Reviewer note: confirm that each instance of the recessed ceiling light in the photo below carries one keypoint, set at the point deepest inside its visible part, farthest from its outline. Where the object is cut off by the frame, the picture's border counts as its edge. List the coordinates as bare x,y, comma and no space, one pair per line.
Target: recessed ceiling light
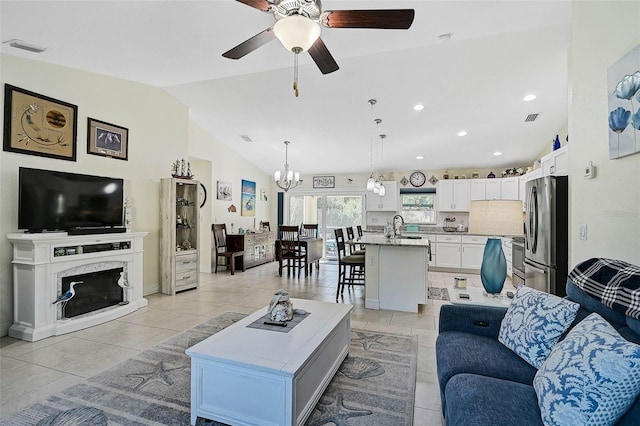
420,157
462,133
529,97
497,153
418,107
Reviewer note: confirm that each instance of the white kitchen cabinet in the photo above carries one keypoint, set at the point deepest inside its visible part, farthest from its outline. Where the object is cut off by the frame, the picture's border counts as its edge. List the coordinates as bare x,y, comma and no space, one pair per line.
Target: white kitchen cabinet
448,251
472,251
477,190
509,188
556,163
453,195
493,189
388,203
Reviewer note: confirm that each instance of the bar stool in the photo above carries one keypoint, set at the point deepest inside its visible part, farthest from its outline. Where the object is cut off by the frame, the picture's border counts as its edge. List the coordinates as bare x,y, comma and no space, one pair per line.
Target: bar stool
350,268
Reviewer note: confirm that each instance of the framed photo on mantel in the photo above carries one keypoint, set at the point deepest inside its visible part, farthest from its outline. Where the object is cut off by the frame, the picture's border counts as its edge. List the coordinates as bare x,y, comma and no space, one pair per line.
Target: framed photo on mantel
35,124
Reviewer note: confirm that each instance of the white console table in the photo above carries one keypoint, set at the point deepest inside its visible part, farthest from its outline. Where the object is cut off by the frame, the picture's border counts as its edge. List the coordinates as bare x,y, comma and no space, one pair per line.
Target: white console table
40,261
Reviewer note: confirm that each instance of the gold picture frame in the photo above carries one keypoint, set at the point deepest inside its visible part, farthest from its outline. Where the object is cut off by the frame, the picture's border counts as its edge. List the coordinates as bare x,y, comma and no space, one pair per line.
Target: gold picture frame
35,124
107,140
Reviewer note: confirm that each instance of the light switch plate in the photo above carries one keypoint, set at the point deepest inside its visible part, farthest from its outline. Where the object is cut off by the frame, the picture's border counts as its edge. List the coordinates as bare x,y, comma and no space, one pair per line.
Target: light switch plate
582,231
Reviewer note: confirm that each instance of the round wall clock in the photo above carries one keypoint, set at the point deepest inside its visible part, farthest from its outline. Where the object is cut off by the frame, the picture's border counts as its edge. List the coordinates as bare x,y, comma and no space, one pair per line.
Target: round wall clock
417,179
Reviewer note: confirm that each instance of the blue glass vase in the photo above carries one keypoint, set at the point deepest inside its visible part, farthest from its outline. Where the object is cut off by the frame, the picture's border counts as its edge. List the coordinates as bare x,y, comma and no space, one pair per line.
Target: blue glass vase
494,266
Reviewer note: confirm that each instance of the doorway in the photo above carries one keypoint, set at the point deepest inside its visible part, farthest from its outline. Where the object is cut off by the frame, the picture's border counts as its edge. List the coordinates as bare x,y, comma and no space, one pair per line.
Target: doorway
330,212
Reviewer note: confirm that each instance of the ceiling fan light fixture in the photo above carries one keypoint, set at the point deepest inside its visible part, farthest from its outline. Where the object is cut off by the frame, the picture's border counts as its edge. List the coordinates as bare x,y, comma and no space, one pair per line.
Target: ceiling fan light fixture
297,32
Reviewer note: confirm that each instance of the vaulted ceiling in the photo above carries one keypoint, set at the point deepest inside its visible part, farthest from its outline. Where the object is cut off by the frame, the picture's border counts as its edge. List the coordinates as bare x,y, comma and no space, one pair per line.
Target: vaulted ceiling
498,52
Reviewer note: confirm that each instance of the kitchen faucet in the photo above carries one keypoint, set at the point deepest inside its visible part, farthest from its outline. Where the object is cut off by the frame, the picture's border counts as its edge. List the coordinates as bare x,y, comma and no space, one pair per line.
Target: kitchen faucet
396,229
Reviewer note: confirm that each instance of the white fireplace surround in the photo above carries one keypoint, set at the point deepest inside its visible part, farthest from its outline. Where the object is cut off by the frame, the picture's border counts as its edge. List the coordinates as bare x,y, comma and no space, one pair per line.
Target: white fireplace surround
40,261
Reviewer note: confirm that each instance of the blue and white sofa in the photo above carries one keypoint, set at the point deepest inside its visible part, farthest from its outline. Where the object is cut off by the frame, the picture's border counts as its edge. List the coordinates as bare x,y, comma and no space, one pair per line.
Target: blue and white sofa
546,360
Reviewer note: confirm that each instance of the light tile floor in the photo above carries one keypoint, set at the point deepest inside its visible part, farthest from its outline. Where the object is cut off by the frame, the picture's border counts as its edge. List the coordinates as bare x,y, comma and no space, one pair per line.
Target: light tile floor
31,371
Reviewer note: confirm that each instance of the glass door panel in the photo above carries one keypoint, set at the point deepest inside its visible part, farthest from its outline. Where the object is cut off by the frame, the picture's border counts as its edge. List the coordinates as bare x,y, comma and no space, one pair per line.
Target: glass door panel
340,211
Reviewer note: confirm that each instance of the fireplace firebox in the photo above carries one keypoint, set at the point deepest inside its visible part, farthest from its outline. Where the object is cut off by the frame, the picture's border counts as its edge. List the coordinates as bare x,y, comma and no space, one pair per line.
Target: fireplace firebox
96,290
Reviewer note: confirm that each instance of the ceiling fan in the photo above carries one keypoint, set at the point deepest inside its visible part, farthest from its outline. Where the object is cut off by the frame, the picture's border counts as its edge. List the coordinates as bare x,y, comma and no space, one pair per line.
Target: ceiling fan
298,27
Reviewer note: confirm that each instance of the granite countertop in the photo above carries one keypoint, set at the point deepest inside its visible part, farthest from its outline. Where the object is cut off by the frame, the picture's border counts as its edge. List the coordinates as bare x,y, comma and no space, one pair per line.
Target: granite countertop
381,240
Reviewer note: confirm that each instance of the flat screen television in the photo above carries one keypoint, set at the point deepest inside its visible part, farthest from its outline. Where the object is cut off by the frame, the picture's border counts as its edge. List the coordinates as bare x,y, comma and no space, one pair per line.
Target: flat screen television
60,201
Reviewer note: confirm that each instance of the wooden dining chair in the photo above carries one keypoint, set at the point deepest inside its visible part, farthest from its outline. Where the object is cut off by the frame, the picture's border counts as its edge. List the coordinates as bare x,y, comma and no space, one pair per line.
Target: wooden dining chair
350,267
354,248
290,250
309,230
221,250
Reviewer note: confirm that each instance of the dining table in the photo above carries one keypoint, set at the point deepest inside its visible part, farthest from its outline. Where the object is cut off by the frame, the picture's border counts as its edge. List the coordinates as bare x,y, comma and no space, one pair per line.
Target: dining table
312,249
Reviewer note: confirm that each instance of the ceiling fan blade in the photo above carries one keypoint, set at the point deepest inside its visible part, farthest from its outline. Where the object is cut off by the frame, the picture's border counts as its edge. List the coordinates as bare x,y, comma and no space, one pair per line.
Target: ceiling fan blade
322,57
393,19
262,5
251,44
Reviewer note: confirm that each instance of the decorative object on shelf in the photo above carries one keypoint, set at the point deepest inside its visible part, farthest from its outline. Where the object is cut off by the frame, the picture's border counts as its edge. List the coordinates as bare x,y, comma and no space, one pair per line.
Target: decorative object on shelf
448,224
203,194
289,179
556,143
128,213
456,177
491,175
404,181
460,282
181,169
513,172
475,174
417,179
463,176
433,180
623,79
224,191
231,209
107,140
324,181
39,125
495,218
280,308
248,198
445,175
186,245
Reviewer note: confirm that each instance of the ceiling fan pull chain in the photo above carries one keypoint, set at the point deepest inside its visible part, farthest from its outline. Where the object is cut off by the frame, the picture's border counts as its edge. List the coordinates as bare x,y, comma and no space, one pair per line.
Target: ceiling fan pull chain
295,73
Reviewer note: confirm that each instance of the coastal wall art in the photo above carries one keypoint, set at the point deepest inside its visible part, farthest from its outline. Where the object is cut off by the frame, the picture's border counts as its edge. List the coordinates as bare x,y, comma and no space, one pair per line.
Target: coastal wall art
248,207
623,82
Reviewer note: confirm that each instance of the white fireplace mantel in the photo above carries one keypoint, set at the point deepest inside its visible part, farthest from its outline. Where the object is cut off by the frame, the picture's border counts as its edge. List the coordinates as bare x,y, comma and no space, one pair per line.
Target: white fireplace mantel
39,262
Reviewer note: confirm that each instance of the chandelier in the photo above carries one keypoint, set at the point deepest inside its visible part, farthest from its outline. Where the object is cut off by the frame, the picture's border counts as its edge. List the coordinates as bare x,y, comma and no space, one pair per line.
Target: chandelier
289,179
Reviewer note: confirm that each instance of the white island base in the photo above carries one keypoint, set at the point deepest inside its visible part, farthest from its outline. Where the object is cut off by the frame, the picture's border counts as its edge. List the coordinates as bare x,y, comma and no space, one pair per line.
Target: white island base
396,273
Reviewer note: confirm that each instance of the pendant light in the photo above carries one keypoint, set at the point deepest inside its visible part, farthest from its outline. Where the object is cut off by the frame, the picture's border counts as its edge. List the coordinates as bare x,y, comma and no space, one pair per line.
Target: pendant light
289,179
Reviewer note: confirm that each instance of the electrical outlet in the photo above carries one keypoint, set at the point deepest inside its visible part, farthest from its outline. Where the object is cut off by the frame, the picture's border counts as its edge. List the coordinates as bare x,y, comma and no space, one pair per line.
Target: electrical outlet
582,231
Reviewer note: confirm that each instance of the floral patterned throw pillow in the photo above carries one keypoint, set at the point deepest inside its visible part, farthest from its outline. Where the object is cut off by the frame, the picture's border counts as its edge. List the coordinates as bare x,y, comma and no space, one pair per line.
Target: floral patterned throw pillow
534,322
590,378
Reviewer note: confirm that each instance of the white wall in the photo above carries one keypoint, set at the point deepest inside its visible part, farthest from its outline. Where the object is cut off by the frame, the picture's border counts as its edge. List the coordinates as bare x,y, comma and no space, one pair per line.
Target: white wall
157,126
227,166
603,32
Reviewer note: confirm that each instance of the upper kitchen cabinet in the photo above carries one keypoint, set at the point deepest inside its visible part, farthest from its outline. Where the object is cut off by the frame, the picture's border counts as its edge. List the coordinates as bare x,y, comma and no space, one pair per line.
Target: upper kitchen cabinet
556,163
453,195
387,203
509,188
477,190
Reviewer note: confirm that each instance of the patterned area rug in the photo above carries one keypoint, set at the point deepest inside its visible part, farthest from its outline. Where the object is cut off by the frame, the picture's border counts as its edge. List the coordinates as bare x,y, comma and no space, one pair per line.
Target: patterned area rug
375,385
438,293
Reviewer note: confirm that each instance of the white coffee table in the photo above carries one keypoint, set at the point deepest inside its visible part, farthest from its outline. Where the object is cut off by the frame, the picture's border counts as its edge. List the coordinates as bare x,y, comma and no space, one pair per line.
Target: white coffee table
478,297
248,376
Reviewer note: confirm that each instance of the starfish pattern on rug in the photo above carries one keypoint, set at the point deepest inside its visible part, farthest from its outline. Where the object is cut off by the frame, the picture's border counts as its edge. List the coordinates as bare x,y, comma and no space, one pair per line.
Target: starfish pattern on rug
159,374
367,340
337,413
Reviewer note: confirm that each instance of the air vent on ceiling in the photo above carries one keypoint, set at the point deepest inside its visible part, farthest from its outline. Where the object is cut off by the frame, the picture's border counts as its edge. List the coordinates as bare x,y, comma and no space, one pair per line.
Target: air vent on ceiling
531,117
245,138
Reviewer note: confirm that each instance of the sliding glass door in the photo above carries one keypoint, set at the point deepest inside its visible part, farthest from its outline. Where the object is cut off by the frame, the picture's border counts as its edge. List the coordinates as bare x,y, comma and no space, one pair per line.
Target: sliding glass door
329,211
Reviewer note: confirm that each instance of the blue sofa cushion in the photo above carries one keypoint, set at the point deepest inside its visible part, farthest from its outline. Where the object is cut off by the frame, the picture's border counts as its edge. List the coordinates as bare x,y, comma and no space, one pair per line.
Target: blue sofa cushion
534,322
591,377
487,401
459,352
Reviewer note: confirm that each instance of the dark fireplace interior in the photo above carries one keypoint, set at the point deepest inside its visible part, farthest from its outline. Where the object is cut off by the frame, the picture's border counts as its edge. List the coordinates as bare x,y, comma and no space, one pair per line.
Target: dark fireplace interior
98,290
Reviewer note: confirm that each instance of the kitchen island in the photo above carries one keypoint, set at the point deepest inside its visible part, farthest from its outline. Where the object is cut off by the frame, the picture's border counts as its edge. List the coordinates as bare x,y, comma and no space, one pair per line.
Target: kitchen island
396,272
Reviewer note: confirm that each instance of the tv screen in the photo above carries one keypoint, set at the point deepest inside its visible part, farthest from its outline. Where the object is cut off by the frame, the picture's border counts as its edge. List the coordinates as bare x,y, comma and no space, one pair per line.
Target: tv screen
51,200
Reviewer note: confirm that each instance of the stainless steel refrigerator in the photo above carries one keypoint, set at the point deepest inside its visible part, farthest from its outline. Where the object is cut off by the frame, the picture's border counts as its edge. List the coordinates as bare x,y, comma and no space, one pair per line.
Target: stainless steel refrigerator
546,234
